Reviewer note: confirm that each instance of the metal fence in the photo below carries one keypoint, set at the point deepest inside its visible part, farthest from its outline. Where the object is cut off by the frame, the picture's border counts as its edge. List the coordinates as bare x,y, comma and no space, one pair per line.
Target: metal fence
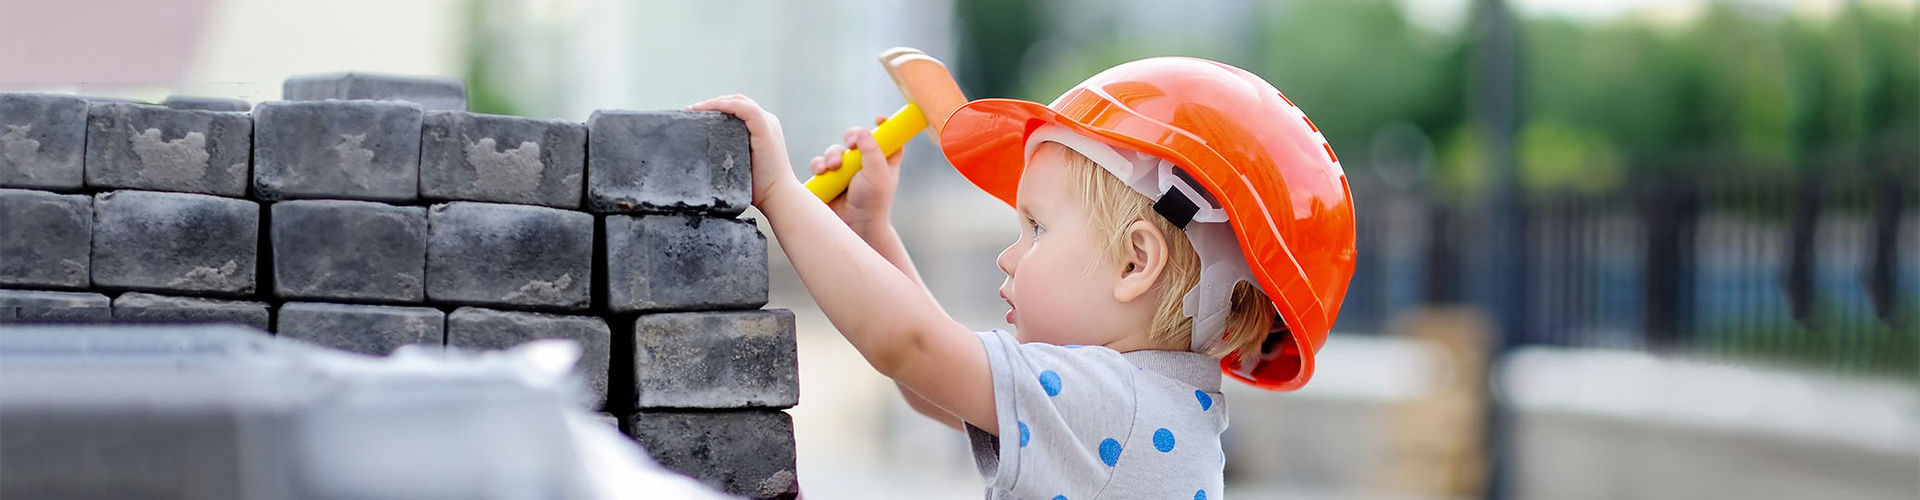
1749,266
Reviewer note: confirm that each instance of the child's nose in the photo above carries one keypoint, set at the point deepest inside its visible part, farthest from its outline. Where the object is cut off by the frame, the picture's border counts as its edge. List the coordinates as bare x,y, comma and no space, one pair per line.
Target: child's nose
1005,260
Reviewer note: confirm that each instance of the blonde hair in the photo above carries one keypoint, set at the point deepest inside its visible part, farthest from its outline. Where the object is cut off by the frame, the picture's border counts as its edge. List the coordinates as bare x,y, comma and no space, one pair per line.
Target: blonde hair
1111,207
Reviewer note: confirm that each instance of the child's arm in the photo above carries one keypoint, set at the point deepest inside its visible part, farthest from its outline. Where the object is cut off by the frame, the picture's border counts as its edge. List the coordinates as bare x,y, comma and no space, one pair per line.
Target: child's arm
888,317
867,207
887,242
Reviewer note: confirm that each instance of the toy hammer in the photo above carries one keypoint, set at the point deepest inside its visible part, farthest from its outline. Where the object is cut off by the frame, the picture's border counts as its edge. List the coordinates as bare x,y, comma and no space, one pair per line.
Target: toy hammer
931,95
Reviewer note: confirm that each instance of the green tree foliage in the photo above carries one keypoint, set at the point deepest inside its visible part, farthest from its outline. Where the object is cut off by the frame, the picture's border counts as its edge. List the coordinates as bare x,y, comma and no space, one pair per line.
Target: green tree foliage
1734,85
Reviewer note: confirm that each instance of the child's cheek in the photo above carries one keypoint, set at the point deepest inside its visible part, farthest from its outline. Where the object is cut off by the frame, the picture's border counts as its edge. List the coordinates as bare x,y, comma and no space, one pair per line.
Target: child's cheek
1047,310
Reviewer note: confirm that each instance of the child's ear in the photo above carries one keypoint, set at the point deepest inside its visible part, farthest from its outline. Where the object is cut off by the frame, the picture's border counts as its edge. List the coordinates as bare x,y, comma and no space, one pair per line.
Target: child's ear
1145,259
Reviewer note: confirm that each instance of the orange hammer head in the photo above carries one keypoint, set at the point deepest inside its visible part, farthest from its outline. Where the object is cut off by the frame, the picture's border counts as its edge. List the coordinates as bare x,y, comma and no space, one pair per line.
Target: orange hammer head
925,82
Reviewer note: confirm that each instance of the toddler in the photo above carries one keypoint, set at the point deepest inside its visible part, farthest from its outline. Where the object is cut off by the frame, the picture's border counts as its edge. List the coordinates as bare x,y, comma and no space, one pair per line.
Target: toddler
1180,219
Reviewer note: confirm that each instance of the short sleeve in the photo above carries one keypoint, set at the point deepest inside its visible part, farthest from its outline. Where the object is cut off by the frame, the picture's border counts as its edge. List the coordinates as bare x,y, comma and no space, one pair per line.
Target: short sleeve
1063,412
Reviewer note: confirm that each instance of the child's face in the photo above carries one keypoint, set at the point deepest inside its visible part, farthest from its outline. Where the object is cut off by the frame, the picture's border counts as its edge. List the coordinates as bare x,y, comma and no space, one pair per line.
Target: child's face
1058,285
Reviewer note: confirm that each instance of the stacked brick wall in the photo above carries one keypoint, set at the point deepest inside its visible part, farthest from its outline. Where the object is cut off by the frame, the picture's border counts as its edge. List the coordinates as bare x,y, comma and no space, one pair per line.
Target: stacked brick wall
368,212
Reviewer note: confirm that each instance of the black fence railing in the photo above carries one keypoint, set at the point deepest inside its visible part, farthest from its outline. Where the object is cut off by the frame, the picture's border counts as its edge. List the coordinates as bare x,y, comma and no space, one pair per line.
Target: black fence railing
1823,274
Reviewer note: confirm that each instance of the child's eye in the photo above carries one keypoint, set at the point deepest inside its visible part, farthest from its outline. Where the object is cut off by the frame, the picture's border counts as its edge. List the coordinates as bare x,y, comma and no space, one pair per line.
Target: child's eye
1037,229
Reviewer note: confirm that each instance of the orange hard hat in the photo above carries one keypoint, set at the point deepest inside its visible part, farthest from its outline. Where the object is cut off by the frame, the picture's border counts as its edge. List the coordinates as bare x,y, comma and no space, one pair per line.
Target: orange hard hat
1243,142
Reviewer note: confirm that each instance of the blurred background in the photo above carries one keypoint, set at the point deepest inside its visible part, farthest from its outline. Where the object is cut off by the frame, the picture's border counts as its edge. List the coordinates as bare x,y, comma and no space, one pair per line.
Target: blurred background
1626,249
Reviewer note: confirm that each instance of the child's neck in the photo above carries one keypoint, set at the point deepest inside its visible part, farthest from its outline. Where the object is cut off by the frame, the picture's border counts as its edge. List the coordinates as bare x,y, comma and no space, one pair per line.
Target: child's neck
1142,343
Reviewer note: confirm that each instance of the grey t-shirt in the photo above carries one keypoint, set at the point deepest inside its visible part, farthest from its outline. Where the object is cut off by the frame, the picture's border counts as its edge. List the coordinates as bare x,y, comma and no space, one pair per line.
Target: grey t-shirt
1081,423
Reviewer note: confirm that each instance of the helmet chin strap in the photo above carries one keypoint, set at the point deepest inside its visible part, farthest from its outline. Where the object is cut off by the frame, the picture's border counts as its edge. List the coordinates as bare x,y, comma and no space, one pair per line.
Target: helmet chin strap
1222,265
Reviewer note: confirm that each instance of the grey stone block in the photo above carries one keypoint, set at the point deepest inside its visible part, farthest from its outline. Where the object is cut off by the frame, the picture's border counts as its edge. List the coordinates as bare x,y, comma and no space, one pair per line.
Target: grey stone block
684,262
43,139
206,103
101,99
428,92
467,156
349,250
740,359
45,238
509,255
664,161
35,306
136,307
356,150
174,242
478,328
747,453
137,146
371,330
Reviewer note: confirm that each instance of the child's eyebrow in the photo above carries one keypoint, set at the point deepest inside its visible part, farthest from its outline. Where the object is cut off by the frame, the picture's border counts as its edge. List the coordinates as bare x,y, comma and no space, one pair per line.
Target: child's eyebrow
1025,211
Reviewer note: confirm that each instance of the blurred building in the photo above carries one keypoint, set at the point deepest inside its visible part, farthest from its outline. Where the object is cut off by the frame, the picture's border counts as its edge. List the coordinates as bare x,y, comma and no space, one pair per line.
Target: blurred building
218,48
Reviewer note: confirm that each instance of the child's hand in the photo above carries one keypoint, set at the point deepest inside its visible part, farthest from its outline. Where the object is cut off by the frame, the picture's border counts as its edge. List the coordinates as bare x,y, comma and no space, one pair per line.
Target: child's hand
868,202
771,170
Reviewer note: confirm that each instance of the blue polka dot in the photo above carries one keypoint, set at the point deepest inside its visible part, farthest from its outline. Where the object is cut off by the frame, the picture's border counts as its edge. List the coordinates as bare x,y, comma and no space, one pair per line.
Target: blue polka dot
1059,497
1051,382
1200,495
1163,440
1110,452
1023,434
1206,402
1074,346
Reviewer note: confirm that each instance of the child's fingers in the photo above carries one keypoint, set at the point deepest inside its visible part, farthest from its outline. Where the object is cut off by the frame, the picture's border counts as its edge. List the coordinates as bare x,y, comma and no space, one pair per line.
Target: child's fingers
866,143
763,129
857,131
831,158
734,97
702,104
849,136
877,120
723,103
746,109
816,166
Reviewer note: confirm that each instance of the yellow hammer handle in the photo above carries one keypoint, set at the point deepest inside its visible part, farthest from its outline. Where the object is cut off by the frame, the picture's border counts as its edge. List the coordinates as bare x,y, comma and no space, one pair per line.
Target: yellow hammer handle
891,134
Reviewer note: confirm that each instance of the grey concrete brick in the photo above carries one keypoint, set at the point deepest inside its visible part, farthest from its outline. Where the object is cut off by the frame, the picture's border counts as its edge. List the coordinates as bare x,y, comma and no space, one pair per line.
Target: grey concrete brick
348,250
356,150
747,453
736,359
138,146
136,307
43,139
101,99
428,92
174,242
478,328
45,238
668,161
509,255
468,156
206,103
684,262
371,330
36,306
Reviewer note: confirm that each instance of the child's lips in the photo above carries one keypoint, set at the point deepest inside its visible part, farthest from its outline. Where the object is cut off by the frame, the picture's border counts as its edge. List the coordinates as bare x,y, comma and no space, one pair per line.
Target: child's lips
1010,307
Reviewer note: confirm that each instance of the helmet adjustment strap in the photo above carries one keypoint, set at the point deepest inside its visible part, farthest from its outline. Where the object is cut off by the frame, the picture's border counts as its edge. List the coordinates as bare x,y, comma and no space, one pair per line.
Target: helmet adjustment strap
1176,207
